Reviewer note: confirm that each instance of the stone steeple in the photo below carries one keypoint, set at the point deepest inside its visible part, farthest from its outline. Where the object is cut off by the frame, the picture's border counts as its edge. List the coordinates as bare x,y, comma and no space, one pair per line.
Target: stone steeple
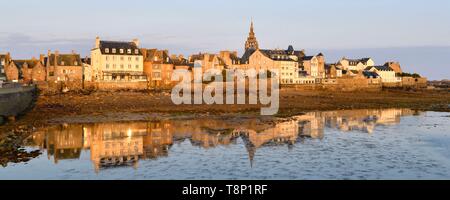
251,42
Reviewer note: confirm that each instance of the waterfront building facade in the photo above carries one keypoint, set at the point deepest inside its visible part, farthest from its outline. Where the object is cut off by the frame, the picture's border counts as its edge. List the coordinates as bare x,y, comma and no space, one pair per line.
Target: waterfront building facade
5,60
356,64
208,61
158,67
386,74
64,67
116,61
394,66
31,71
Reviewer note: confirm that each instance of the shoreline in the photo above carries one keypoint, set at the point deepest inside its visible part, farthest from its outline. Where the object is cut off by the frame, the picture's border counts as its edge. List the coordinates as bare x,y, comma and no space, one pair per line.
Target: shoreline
142,106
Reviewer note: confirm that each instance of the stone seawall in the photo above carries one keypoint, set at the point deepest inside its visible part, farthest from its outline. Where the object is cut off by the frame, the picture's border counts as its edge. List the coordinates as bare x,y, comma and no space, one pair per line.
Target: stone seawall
15,101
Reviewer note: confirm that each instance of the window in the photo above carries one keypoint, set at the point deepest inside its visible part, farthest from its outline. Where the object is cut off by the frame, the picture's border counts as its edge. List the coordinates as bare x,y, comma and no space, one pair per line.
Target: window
121,50
137,66
107,50
114,66
155,58
156,75
107,58
129,58
121,66
62,63
129,51
107,66
75,63
129,66
136,51
113,50
137,58
121,58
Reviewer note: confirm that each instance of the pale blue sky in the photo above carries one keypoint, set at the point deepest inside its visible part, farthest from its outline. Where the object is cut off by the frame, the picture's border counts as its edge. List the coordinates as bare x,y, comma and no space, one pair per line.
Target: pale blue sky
189,26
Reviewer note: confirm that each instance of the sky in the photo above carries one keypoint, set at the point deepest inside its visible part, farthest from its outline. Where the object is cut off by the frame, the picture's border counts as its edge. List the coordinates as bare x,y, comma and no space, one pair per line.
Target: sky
414,32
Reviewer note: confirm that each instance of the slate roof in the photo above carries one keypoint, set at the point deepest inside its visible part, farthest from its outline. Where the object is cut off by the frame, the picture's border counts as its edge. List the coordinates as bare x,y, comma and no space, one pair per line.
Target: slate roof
307,57
362,60
31,63
380,68
162,55
370,74
201,56
119,45
64,60
86,60
280,55
245,58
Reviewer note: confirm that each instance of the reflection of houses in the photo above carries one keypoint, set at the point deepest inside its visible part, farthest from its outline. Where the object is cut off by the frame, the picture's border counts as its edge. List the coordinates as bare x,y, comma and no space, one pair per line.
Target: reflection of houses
123,144
311,125
116,144
158,140
64,142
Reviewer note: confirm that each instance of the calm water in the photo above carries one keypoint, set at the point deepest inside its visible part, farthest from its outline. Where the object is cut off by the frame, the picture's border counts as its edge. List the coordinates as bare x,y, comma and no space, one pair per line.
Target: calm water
358,144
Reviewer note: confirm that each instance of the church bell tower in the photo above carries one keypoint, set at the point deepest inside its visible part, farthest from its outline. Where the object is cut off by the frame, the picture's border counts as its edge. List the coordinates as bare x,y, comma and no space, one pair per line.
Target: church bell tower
251,42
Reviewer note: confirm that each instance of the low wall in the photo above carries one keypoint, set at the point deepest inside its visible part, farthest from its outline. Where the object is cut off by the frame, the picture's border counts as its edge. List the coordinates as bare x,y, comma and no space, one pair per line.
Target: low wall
340,84
15,101
143,85
408,82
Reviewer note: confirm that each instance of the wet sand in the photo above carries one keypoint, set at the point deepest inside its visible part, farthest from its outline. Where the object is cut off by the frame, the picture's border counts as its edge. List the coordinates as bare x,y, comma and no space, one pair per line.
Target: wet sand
136,106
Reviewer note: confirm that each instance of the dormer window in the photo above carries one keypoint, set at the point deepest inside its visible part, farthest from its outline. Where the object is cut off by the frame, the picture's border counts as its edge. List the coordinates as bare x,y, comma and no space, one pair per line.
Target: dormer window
107,50
62,63
114,50
136,51
155,58
121,50
75,63
129,51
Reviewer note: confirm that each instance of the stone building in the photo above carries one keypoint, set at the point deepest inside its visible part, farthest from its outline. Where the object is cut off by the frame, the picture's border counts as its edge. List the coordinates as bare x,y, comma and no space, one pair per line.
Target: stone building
394,66
64,67
208,61
5,60
231,59
280,61
158,67
332,71
116,61
31,71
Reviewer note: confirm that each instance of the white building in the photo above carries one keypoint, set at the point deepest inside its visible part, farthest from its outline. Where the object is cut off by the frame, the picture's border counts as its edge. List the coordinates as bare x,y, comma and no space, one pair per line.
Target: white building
386,73
117,61
356,64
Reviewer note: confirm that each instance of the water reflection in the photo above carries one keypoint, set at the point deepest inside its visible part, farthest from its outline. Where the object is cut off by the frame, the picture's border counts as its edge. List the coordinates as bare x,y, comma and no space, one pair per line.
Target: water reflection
124,144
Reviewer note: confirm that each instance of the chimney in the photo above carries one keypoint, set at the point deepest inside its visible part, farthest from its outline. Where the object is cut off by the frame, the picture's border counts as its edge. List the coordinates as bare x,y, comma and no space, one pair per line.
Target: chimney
144,53
97,42
41,58
136,42
56,58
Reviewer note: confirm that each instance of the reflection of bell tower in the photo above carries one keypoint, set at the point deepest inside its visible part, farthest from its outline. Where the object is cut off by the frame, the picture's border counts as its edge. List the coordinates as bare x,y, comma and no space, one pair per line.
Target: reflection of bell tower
251,42
251,149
